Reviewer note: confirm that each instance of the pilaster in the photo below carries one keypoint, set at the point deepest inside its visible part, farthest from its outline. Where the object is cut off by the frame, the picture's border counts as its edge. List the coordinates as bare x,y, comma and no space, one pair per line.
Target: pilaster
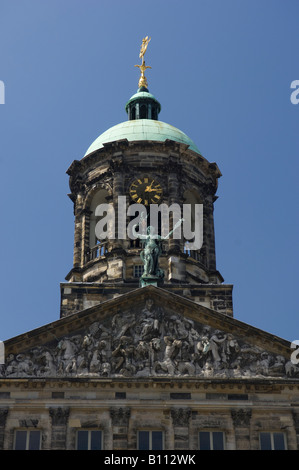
241,419
120,422
180,419
59,418
3,416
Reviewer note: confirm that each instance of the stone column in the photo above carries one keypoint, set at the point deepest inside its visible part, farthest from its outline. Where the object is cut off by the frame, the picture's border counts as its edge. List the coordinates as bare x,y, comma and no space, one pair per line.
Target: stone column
120,422
180,420
59,418
241,419
137,111
3,416
209,234
116,253
86,213
77,259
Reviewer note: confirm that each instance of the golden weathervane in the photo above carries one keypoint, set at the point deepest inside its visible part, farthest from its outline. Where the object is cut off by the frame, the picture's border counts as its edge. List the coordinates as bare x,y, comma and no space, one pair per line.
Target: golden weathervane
142,80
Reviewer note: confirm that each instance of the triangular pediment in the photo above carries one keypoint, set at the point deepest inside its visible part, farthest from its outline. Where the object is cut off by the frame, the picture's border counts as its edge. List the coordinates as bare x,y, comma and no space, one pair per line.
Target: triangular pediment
148,332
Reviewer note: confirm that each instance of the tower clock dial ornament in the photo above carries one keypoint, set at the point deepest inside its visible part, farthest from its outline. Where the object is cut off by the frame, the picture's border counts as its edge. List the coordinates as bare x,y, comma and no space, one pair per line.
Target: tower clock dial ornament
146,190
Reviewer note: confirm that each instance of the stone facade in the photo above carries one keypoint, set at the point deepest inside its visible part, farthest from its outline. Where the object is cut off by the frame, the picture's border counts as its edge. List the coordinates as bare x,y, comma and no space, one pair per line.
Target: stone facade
149,360
180,408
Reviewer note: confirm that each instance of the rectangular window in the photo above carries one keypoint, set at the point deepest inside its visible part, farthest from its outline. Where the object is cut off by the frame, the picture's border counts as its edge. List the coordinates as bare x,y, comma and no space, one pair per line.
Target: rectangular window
27,440
180,396
211,440
138,270
272,441
89,440
150,440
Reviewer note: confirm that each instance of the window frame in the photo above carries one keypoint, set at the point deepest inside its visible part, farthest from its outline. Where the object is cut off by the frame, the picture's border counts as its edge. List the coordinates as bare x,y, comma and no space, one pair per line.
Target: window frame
27,443
271,433
150,431
138,270
211,431
89,433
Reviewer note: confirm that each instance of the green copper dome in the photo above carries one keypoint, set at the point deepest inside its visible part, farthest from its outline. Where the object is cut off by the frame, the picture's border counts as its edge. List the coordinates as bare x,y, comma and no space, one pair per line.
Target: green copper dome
143,110
142,129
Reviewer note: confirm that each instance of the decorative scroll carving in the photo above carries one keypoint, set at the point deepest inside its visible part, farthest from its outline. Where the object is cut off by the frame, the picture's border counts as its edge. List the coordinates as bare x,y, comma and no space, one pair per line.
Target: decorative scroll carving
180,416
59,416
148,342
241,417
26,423
120,416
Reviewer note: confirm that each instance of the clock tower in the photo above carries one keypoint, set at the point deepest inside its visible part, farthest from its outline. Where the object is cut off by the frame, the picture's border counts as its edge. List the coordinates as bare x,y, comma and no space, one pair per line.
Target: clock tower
142,161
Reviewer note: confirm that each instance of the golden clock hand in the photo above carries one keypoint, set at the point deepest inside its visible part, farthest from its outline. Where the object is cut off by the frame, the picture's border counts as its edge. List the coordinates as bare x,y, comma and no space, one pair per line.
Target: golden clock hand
157,189
149,188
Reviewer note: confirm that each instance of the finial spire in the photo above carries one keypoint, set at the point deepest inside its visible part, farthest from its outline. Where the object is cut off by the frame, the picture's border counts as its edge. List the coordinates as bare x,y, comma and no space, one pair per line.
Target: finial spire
142,80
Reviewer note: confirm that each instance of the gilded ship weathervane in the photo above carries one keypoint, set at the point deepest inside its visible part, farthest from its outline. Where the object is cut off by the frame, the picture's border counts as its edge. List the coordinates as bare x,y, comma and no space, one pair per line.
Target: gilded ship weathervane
143,81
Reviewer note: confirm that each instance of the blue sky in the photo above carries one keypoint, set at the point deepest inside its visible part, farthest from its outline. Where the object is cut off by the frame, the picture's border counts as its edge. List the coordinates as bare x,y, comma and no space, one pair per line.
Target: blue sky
221,70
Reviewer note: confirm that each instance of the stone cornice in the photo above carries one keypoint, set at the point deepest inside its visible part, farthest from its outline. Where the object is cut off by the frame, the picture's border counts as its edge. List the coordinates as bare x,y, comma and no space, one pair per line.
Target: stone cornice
123,149
179,384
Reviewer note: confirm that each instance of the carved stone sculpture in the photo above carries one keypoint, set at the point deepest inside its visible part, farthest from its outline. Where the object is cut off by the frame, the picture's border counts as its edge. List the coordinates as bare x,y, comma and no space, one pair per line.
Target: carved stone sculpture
148,342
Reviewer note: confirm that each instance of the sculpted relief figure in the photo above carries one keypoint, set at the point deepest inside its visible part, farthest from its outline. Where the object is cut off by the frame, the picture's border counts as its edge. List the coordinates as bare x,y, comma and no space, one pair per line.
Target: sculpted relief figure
100,362
45,361
144,342
171,351
150,320
215,342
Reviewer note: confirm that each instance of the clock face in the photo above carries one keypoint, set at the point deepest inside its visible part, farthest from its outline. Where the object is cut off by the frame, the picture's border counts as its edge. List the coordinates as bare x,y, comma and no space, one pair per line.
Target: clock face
146,190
